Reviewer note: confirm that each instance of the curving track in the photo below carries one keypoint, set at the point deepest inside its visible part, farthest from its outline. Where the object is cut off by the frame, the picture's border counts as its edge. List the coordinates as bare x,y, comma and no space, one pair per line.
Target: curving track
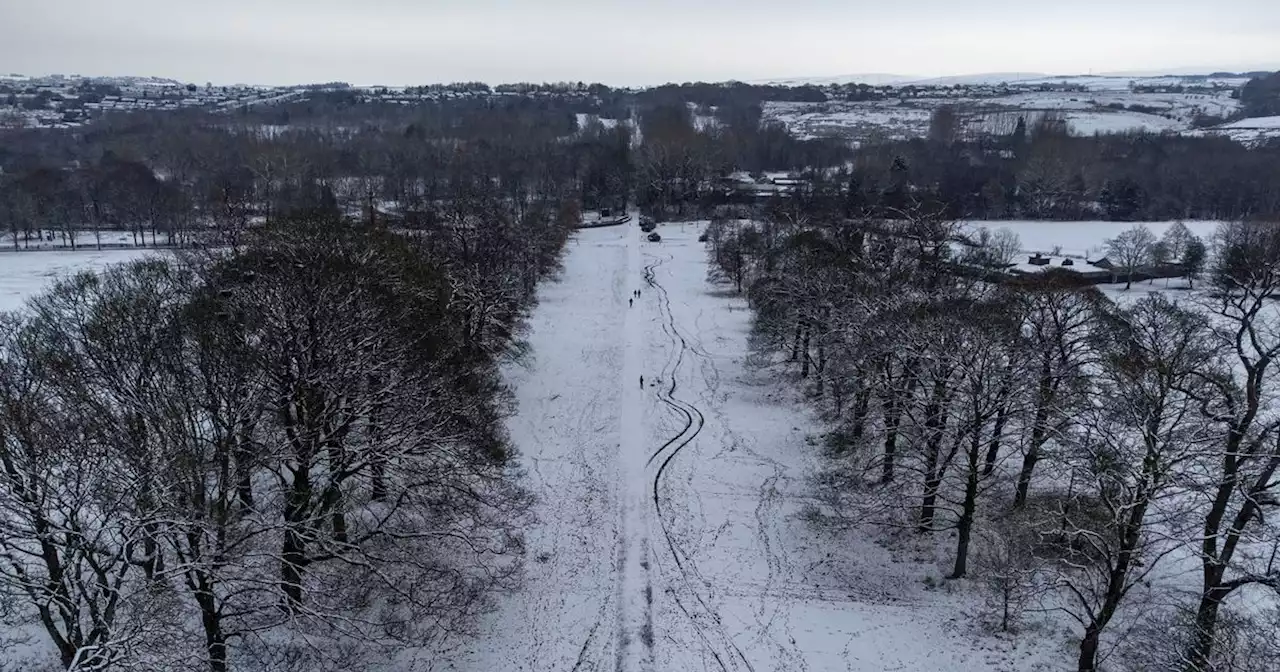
703,617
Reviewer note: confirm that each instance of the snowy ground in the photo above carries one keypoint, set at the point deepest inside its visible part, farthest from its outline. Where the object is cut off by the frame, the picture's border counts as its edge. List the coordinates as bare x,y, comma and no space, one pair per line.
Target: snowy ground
1086,112
670,535
86,239
1084,238
25,273
1251,131
585,119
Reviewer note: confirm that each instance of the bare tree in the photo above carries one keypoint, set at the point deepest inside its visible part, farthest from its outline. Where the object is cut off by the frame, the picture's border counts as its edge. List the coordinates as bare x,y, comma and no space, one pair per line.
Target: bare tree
1134,452
79,494
1241,474
1194,258
1176,239
994,249
992,372
1058,316
1005,562
1131,250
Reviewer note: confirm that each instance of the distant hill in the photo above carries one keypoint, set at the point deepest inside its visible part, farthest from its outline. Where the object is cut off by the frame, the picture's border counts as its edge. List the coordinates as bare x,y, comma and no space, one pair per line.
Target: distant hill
1101,80
979,78
869,78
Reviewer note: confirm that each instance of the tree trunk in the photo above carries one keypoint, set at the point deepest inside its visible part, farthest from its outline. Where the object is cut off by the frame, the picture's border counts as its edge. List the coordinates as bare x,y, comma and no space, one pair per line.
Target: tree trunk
993,448
997,433
292,566
1089,649
1200,654
377,461
1216,558
889,405
861,407
964,528
293,557
244,468
935,424
333,495
893,404
804,350
822,352
1039,432
215,639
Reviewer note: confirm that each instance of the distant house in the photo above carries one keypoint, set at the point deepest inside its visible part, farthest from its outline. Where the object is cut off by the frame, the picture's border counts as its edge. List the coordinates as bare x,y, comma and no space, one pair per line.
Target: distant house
1088,271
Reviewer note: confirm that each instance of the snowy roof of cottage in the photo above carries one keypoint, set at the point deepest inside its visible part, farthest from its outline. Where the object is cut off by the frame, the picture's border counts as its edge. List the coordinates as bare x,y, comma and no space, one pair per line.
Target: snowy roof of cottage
1077,265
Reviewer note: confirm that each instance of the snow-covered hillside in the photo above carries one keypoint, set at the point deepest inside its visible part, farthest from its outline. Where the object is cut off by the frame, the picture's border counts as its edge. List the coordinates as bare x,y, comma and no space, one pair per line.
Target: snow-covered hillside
1086,112
1247,131
1089,104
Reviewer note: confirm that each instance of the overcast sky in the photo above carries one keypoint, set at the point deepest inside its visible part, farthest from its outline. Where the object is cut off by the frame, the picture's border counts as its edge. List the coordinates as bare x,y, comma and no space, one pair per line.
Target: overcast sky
625,41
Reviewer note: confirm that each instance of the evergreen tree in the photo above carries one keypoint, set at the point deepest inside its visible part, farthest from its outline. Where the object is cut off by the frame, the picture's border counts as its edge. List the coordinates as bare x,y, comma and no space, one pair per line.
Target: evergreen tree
1194,256
1122,198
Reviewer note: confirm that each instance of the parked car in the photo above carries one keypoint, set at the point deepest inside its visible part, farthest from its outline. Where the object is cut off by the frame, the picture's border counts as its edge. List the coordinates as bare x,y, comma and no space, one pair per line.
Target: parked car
655,238
703,237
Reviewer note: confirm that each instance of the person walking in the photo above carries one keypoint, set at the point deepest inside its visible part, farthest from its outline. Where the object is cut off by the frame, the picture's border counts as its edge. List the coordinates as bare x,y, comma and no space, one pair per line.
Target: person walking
642,382
631,302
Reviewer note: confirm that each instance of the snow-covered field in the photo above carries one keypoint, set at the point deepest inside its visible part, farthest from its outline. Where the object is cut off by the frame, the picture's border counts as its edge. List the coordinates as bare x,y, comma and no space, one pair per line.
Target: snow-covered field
25,273
1086,112
584,119
856,121
670,534
1106,82
1251,131
54,240
1085,238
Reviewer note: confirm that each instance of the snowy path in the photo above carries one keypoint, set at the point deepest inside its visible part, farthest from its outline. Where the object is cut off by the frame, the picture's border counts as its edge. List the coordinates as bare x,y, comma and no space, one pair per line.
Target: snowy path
669,536
569,431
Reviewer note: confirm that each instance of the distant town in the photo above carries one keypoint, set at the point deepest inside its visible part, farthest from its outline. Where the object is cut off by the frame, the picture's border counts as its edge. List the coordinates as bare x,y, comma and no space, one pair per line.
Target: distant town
64,101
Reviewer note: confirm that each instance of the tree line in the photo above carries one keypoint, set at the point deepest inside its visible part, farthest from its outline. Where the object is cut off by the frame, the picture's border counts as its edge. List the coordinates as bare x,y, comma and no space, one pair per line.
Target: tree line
1074,454
181,178
283,448
281,456
1006,167
1037,170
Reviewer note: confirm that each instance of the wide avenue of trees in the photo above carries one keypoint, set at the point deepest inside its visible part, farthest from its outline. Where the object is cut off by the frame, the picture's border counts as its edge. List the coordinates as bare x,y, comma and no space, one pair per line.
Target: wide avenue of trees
1070,452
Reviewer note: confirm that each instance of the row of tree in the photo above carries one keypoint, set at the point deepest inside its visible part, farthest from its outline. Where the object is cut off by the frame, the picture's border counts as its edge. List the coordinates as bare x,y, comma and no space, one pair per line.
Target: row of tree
1260,97
1037,170
1081,453
1019,167
183,177
283,451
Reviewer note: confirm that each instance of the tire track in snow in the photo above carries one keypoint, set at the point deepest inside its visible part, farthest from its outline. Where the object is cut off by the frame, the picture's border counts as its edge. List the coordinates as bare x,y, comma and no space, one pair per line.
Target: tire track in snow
694,421
773,622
